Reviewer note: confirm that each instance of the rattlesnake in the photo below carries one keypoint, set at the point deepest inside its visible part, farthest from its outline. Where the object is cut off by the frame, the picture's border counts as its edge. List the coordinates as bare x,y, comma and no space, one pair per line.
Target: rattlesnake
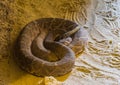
40,50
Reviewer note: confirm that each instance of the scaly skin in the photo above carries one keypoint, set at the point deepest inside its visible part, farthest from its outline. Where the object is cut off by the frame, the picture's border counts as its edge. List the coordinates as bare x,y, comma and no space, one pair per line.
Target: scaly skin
39,52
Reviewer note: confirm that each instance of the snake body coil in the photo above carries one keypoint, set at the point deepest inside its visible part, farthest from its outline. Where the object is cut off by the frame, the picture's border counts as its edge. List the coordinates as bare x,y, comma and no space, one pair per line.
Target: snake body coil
38,43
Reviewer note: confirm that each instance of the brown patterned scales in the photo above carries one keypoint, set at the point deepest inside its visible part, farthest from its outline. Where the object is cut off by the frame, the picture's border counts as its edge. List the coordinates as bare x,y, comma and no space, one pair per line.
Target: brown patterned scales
39,49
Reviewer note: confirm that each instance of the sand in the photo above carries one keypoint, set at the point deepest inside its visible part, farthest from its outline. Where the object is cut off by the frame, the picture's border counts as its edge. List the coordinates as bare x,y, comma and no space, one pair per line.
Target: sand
99,64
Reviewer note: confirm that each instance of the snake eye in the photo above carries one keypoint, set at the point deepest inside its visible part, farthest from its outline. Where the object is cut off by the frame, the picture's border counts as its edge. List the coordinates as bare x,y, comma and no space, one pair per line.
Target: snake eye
58,38
61,37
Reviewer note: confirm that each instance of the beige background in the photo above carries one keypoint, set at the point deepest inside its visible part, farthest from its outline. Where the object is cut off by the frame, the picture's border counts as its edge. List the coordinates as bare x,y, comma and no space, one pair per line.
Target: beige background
98,64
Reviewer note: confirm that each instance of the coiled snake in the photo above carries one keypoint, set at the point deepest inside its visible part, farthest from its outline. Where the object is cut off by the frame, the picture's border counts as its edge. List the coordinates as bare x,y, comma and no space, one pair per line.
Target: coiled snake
40,49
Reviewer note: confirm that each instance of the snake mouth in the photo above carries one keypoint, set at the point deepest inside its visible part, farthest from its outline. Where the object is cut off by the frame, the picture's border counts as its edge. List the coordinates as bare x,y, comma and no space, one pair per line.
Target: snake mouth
34,42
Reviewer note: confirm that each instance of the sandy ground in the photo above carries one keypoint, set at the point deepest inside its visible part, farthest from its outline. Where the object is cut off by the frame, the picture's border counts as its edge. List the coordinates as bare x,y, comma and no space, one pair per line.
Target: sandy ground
98,64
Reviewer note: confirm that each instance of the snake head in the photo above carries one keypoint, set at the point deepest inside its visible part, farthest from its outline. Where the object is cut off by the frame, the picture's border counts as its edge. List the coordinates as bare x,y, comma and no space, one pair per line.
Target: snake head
59,37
